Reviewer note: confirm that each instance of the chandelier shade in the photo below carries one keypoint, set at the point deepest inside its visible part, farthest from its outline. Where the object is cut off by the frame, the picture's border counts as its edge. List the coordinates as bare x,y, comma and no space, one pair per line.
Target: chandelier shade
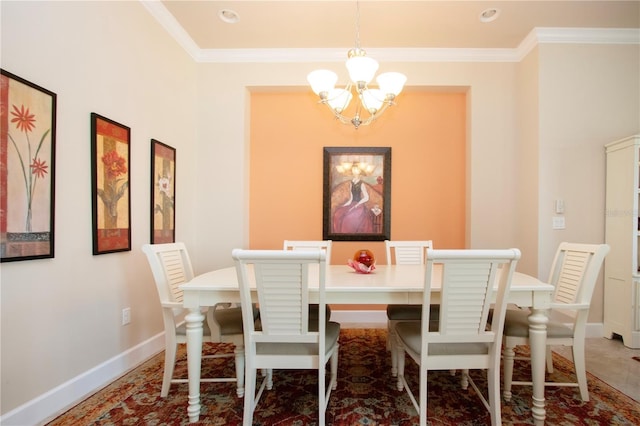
322,81
362,69
391,82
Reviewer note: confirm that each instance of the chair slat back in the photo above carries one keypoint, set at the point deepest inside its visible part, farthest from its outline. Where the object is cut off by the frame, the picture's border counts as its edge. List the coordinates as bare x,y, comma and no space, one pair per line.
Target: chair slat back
307,245
574,273
466,295
406,252
283,297
174,271
281,279
171,267
468,292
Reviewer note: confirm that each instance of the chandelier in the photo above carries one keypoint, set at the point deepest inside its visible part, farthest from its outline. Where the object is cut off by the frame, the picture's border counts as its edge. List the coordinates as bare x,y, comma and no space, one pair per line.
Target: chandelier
372,102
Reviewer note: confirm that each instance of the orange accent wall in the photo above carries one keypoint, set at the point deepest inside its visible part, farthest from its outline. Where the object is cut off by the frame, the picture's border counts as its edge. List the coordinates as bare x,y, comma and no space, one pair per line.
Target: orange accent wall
426,132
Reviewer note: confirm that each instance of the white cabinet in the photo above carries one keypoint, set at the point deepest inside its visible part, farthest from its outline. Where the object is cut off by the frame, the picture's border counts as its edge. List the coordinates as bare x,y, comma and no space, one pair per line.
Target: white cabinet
622,233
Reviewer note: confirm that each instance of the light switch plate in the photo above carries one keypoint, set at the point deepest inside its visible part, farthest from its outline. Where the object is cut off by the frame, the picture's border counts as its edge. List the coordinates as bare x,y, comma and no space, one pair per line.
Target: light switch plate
558,222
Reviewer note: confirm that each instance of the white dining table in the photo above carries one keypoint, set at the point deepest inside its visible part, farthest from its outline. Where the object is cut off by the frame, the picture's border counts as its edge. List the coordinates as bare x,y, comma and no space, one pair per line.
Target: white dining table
388,284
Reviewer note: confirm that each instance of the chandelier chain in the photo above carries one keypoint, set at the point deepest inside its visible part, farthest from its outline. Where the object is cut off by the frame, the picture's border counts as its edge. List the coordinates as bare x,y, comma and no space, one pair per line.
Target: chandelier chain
357,25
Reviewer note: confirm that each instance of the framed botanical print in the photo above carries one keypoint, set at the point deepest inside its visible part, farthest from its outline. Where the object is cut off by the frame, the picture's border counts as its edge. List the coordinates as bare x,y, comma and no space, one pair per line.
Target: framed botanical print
27,169
356,194
110,178
163,193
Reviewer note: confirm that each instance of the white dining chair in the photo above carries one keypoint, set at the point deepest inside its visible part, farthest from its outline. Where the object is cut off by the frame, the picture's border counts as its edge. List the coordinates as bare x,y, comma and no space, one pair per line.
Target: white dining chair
462,340
404,253
285,340
171,267
574,273
324,245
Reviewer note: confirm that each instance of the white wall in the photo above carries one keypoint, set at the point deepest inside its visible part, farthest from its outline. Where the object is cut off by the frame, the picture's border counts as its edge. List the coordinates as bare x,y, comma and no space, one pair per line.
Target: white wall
61,317
114,59
589,95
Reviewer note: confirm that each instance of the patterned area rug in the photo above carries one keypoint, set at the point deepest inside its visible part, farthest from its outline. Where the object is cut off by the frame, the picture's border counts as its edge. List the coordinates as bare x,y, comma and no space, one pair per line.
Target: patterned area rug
366,395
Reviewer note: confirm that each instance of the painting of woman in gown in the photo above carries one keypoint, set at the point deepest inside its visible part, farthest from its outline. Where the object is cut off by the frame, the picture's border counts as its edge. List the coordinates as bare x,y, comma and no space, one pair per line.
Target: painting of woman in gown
353,217
355,189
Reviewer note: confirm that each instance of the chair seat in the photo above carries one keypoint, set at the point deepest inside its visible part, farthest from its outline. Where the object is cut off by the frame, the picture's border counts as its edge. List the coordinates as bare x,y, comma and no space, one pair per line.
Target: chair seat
332,333
230,319
313,312
516,324
401,312
411,335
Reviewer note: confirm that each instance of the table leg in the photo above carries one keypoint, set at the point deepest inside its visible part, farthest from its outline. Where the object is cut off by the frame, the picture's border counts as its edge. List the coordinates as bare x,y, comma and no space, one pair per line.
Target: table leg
194,321
538,341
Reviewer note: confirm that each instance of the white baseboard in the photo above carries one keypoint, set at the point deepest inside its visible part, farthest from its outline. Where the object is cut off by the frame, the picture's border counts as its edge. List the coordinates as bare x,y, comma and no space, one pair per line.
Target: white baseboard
594,329
360,319
51,404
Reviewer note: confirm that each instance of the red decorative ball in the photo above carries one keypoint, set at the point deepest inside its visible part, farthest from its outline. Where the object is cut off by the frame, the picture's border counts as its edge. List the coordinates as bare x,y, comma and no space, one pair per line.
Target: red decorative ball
365,257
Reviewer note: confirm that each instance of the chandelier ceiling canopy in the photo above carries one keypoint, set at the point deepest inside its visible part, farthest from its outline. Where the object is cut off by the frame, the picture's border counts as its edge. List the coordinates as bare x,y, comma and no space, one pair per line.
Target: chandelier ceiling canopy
372,102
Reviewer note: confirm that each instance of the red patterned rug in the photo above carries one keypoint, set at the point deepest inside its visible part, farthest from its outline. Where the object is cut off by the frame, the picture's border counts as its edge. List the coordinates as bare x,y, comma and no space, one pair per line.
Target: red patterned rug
366,395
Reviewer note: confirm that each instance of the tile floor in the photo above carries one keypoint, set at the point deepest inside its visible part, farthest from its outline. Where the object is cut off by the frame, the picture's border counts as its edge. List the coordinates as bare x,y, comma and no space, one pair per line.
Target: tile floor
612,362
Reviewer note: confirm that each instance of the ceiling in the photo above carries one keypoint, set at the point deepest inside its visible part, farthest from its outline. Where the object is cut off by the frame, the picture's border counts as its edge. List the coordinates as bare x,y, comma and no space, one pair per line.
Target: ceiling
383,24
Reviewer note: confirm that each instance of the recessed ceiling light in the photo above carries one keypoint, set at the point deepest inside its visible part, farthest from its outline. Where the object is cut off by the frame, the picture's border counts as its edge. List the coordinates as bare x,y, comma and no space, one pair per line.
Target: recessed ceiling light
229,16
489,15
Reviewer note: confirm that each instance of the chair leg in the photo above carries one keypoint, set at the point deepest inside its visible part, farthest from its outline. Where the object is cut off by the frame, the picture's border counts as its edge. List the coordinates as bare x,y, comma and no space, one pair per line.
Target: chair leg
334,369
464,378
391,346
250,395
423,396
508,355
549,360
269,379
400,357
580,367
239,354
493,381
169,364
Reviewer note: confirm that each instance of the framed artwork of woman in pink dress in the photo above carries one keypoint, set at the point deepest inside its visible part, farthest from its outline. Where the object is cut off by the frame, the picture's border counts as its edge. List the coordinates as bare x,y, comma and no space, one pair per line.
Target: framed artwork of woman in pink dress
356,194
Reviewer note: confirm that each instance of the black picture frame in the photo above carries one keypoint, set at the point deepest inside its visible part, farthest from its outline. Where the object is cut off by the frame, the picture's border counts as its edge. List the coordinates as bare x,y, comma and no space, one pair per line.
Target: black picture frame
110,185
163,193
27,172
346,217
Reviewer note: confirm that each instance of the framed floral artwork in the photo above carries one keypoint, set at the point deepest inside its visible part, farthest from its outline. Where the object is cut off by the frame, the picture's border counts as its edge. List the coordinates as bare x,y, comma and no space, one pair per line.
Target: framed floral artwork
356,194
27,169
163,193
110,181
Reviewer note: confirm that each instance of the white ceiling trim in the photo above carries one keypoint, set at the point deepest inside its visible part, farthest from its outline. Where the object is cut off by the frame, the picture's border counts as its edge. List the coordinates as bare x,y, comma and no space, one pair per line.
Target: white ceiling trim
535,37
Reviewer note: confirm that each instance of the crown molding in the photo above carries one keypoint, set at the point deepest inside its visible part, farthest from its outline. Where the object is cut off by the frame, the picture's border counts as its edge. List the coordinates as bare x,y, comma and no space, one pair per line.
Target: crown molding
169,23
536,37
